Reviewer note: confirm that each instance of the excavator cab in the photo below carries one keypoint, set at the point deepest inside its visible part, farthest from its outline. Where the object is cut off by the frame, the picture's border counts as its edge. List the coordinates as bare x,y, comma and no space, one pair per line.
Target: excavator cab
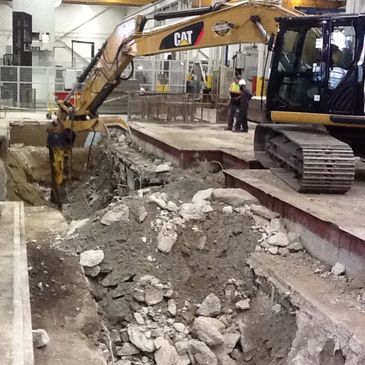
317,78
318,66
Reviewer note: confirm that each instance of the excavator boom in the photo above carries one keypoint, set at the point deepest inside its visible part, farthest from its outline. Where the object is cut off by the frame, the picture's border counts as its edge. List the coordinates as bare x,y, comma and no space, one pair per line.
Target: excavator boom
230,23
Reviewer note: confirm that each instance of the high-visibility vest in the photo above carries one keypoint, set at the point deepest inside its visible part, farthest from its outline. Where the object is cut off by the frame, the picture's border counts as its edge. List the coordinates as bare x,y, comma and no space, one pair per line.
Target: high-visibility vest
234,88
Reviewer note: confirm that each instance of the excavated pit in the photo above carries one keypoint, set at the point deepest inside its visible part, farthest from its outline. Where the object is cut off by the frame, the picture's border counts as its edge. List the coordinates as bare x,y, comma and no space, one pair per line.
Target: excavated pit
209,255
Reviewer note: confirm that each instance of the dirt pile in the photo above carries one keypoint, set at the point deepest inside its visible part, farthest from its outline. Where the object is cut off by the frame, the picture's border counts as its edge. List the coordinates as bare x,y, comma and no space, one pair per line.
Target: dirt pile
166,265
28,173
168,250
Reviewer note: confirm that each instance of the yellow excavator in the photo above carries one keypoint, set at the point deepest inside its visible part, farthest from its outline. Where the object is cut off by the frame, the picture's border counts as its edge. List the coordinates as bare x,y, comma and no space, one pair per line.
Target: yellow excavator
315,93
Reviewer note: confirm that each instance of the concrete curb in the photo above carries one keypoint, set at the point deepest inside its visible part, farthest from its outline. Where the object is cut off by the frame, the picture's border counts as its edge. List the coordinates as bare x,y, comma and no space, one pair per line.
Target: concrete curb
16,346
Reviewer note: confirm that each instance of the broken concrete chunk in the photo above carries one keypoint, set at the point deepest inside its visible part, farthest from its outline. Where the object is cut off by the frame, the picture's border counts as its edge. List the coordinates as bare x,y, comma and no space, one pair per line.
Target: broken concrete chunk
210,307
263,212
234,197
243,305
153,295
139,339
166,238
338,269
91,258
172,207
40,338
247,343
274,250
92,271
230,341
278,239
295,247
116,277
276,308
275,226
202,195
122,138
115,336
227,210
142,214
75,225
139,319
201,354
118,310
206,330
179,327
182,347
128,349
149,279
119,213
164,167
259,221
160,199
138,295
166,354
193,211
171,307
104,350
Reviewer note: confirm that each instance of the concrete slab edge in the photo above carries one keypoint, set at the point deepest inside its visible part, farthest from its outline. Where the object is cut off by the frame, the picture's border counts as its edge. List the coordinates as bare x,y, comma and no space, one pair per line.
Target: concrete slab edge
315,325
27,315
185,158
326,241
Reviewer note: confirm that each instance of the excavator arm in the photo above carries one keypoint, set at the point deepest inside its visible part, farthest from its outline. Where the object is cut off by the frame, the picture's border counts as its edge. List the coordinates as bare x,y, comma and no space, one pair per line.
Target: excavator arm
229,23
223,24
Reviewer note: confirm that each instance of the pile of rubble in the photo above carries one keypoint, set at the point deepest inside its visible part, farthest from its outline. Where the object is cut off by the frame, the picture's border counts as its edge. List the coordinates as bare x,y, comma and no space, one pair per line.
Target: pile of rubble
153,330
275,238
147,318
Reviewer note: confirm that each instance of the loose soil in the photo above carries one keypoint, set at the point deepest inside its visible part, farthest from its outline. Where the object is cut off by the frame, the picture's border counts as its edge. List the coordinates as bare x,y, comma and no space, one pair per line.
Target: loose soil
193,270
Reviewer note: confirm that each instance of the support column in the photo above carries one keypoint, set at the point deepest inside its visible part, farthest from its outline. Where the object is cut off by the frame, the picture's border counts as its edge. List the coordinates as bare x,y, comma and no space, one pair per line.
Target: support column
260,83
355,6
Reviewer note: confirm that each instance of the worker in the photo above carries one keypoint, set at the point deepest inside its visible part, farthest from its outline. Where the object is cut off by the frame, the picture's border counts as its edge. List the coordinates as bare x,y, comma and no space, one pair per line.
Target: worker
234,101
241,114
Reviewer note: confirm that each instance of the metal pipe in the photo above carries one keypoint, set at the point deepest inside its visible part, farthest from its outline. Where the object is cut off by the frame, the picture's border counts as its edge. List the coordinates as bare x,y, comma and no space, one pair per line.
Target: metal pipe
182,14
257,21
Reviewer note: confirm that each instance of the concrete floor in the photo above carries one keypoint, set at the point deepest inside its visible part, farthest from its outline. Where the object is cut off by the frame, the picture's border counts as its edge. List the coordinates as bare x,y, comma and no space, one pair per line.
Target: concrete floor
201,137
346,210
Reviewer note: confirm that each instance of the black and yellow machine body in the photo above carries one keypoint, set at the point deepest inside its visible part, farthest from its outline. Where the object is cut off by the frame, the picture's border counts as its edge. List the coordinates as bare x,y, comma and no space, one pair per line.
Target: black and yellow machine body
316,78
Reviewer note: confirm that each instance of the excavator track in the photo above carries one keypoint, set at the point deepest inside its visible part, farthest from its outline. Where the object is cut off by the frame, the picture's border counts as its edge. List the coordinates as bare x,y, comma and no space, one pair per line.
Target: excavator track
309,161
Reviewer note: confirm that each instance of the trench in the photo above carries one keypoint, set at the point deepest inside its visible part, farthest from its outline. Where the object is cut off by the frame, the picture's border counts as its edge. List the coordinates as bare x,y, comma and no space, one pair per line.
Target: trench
209,257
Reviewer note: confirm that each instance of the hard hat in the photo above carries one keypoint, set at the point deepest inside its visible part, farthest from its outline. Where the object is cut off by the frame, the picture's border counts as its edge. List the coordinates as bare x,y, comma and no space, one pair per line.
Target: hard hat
242,82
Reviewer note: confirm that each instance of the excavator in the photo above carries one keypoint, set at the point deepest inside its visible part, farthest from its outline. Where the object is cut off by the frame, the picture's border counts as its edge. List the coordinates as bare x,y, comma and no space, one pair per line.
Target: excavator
315,95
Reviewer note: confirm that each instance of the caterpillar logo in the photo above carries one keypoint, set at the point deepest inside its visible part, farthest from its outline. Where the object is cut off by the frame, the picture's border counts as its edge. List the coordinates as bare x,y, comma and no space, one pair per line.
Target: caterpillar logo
184,37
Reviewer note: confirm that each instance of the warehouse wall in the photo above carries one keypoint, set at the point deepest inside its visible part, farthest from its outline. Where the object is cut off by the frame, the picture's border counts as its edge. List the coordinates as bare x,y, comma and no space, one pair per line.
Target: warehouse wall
68,17
5,27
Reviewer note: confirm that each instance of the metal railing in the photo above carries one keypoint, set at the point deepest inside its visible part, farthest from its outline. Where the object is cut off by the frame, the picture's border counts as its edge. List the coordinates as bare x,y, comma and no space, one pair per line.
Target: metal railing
170,108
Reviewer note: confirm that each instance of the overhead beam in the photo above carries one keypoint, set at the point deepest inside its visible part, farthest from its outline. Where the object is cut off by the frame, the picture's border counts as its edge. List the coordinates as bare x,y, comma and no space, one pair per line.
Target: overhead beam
323,4
109,2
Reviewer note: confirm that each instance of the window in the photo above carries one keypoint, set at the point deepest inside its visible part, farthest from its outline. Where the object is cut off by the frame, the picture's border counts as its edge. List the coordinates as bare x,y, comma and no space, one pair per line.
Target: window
342,53
286,62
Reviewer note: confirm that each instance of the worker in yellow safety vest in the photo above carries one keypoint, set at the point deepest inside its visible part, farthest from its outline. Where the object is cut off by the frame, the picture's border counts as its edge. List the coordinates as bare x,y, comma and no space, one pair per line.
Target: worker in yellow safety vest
234,101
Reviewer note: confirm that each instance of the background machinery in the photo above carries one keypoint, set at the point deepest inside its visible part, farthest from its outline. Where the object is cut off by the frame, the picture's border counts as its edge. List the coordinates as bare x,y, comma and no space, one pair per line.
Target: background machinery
316,79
